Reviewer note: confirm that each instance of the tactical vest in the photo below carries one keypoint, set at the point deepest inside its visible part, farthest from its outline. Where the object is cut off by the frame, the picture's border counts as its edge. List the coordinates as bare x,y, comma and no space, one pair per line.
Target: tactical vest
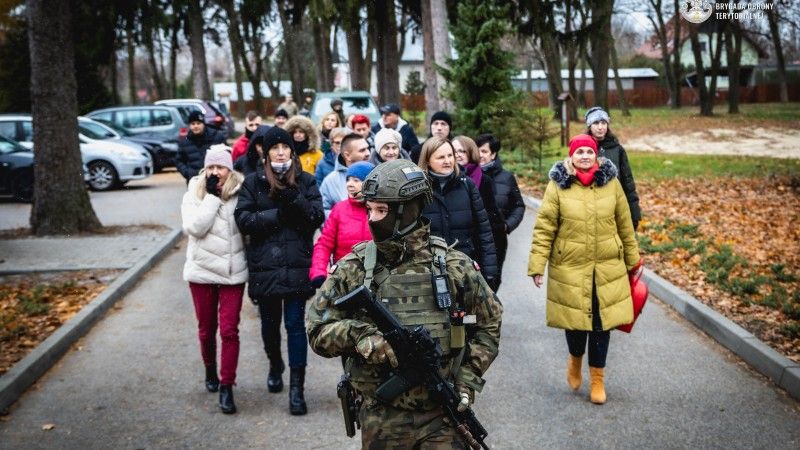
407,292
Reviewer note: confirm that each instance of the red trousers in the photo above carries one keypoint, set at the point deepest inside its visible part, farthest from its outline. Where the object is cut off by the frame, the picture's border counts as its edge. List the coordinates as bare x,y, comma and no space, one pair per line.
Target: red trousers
218,304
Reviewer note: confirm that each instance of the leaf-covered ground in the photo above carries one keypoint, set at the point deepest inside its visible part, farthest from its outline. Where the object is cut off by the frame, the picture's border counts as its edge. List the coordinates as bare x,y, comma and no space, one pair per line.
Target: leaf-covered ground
732,243
33,306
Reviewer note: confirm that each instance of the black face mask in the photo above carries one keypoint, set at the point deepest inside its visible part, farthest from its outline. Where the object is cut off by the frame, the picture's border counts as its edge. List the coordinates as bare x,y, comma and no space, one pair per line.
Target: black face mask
397,222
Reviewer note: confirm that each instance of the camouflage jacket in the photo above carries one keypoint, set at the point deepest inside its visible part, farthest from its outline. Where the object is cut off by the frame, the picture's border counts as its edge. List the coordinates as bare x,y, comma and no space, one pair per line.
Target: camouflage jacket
334,333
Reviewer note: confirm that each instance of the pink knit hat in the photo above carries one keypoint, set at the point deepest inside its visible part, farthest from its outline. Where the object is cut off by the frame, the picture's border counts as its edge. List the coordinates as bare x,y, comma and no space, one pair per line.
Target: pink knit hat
219,155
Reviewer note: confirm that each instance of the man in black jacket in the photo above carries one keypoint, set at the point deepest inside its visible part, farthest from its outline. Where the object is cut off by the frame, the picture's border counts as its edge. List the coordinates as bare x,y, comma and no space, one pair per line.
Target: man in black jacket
507,195
390,118
192,149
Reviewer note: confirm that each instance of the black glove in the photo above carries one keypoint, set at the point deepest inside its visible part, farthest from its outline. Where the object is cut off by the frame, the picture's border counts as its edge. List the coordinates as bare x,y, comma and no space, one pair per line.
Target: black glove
288,195
211,185
317,281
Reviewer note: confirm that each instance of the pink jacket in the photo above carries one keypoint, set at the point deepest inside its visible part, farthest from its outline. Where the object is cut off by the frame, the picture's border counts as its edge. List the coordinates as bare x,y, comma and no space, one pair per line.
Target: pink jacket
239,147
345,227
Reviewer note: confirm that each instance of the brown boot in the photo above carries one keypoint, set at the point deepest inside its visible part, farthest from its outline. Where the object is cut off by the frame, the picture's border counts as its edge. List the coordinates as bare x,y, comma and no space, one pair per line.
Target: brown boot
598,394
574,371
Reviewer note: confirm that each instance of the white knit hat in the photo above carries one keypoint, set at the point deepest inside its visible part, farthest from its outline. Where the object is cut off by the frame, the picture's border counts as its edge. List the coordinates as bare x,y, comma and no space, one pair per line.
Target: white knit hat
387,136
219,155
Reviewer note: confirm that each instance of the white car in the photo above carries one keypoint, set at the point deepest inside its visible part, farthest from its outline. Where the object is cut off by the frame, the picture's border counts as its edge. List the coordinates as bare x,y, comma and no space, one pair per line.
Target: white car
110,164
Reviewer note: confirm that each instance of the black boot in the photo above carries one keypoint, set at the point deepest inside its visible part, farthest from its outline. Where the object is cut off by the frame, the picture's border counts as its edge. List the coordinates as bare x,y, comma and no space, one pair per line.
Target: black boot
275,376
212,380
297,403
226,399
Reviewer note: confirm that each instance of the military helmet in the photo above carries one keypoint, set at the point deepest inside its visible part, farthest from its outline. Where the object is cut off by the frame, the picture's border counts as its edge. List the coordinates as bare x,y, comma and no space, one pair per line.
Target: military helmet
399,180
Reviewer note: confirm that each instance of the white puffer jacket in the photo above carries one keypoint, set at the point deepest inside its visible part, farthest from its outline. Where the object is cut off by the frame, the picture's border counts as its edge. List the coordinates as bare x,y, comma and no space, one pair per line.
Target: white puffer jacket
215,254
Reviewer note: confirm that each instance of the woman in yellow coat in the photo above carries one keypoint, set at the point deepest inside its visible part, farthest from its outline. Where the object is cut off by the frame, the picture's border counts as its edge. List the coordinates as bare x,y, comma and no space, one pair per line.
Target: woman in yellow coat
584,231
306,142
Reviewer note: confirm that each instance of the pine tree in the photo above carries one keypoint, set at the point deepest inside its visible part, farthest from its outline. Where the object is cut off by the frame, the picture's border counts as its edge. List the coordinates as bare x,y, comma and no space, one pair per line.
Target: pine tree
479,80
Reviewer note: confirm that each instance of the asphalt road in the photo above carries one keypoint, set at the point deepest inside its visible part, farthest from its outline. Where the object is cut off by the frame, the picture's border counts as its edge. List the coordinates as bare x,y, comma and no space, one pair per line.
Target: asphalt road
135,381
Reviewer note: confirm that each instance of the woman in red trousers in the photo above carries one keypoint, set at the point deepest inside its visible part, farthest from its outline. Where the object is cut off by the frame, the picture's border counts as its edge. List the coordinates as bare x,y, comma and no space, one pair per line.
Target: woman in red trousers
215,267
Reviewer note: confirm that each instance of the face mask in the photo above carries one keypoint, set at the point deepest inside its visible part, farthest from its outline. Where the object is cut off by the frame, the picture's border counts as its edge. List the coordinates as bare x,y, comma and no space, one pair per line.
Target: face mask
384,229
281,168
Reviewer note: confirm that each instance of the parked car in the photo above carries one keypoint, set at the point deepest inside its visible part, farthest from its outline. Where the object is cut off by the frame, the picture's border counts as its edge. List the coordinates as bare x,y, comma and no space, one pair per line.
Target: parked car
110,164
163,122
16,170
354,102
215,117
161,152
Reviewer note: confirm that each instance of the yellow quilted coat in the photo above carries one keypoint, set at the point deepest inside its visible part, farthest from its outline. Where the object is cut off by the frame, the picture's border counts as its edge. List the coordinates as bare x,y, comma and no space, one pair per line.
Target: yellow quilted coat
585,233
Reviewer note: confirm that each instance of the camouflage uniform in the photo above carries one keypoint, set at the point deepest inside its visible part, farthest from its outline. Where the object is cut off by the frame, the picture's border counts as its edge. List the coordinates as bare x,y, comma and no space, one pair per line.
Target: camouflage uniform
402,280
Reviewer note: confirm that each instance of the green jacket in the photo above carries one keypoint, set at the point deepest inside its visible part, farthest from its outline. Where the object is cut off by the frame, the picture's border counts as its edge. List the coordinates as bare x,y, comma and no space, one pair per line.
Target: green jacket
332,332
586,235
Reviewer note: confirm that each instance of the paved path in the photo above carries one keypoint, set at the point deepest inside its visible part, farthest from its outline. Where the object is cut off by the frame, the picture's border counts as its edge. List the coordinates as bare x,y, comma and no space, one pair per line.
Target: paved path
135,381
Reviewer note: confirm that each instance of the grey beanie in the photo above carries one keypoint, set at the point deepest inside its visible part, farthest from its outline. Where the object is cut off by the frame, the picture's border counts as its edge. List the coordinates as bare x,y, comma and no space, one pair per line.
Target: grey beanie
596,114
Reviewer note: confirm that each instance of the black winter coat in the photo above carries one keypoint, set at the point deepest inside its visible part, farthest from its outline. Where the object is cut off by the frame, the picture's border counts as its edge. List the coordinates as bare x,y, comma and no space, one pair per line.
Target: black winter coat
611,149
192,151
279,235
507,195
457,213
251,161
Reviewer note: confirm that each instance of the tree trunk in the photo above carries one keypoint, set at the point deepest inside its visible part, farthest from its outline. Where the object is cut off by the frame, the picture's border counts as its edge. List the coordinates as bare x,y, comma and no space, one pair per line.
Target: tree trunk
131,60
715,62
173,56
351,23
114,77
237,77
618,82
292,21
60,202
200,84
582,85
572,49
601,48
428,57
369,55
733,52
441,45
772,17
677,68
147,40
705,107
383,13
552,60
240,61
322,53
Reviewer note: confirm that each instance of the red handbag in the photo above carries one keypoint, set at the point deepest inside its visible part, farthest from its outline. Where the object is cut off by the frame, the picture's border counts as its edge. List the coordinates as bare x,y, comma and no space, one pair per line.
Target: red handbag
639,293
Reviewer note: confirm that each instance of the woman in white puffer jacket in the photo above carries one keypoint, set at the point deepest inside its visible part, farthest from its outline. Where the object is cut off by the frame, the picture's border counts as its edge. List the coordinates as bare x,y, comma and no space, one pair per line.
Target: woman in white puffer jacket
216,268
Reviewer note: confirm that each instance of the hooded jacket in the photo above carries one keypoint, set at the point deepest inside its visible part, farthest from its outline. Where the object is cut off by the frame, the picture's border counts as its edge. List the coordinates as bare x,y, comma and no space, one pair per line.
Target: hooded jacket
585,235
278,235
192,151
215,253
345,227
611,149
409,136
506,194
310,158
334,186
250,161
457,214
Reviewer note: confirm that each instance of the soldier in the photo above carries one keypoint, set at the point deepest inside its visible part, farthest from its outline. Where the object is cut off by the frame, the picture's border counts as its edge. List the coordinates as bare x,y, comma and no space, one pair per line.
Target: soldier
398,266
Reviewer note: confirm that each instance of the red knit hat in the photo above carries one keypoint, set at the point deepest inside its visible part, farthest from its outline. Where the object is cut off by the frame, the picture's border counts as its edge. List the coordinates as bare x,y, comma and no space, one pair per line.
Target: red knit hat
582,140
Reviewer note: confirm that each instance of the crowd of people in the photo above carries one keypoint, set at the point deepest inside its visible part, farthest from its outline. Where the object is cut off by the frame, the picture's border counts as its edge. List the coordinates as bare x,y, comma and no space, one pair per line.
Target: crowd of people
252,211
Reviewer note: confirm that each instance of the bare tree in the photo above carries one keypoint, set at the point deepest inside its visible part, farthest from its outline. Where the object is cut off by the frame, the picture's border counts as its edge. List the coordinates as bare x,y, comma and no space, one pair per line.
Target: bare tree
60,202
772,16
200,84
733,53
429,64
441,44
383,12
618,81
656,17
601,43
350,13
291,15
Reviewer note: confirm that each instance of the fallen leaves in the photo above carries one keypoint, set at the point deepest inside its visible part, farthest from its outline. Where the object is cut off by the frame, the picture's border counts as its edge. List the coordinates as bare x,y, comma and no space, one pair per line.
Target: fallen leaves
33,306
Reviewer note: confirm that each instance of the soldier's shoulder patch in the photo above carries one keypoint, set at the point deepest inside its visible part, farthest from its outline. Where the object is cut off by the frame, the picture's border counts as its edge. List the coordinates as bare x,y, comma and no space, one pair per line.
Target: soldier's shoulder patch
476,266
332,269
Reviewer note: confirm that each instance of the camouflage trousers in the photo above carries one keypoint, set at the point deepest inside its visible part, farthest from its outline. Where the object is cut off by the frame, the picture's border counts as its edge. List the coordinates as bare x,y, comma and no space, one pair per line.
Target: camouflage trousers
385,427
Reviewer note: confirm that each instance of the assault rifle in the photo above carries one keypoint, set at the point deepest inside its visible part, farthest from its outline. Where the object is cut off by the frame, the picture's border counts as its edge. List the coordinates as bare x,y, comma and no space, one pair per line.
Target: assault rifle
419,357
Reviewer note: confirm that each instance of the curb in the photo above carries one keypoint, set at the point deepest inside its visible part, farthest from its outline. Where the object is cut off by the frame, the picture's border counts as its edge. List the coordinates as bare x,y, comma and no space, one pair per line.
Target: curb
25,372
781,370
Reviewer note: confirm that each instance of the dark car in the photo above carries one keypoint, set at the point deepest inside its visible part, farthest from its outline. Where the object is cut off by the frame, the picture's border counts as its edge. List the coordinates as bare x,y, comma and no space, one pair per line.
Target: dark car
215,117
163,151
16,170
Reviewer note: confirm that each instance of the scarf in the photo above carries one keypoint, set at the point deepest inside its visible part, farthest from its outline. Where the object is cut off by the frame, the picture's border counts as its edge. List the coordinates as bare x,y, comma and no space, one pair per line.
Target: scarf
488,165
301,147
475,173
586,177
442,179
281,168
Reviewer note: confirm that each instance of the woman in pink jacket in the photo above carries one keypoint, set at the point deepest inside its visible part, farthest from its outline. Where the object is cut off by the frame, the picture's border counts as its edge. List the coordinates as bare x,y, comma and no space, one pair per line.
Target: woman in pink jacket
345,227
